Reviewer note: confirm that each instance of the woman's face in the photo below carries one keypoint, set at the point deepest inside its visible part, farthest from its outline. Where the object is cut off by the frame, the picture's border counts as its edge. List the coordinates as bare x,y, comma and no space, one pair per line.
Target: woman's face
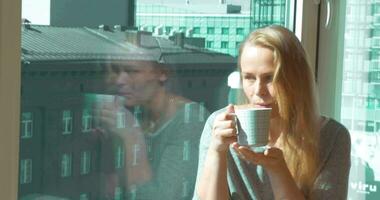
257,71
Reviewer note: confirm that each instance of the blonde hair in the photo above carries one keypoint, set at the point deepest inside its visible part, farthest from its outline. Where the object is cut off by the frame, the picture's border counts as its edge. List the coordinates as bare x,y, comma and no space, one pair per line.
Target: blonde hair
294,87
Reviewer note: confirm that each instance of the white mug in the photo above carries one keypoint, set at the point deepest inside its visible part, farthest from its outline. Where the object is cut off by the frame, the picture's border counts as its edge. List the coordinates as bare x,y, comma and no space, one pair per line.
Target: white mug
253,126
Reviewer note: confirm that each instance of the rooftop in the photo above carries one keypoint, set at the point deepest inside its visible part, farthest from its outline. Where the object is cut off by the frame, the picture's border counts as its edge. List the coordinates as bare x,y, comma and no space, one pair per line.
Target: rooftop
41,43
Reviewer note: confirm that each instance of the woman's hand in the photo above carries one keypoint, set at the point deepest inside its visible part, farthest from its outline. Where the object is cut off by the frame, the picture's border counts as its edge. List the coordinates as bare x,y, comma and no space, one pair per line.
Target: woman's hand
224,130
274,163
272,159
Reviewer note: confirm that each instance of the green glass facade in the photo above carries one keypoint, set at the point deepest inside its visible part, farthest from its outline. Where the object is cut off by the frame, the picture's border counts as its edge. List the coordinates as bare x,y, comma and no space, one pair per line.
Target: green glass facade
361,96
223,32
266,12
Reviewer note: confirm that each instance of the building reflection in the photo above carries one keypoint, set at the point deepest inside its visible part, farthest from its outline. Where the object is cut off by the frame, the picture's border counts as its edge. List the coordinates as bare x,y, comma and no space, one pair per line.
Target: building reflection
72,76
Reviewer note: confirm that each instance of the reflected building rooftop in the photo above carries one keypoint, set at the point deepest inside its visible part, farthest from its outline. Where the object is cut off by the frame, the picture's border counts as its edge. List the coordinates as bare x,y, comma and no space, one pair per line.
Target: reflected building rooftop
41,43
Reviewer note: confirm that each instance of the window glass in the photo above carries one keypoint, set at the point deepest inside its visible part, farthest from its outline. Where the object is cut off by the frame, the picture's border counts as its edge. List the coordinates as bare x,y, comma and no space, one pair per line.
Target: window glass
66,165
119,156
26,125
115,94
360,96
210,30
67,122
87,120
240,31
85,162
197,30
224,45
225,31
25,171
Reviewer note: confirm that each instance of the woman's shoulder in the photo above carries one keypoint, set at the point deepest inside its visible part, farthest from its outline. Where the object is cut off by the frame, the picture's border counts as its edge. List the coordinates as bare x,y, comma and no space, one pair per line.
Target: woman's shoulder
333,135
332,128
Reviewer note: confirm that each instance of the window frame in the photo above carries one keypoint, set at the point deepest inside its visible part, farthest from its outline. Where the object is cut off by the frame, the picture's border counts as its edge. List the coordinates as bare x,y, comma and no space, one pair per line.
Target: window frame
10,36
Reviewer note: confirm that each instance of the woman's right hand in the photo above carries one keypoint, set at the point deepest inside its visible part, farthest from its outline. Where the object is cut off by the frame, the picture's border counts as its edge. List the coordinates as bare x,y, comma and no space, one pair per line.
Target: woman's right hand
224,130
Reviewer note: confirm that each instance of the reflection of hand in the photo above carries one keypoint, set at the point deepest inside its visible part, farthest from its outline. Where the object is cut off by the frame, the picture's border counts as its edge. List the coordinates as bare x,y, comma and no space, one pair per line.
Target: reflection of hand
117,121
224,130
110,115
272,159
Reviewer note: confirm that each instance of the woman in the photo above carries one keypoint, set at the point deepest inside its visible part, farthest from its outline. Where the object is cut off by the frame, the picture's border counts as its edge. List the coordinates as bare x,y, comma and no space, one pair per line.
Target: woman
308,155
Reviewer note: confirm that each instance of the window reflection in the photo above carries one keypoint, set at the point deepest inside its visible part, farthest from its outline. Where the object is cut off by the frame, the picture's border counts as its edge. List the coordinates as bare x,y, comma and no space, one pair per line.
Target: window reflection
121,122
116,112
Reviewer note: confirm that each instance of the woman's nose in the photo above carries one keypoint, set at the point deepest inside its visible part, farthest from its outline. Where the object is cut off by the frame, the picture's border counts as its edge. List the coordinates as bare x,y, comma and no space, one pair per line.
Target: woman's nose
260,88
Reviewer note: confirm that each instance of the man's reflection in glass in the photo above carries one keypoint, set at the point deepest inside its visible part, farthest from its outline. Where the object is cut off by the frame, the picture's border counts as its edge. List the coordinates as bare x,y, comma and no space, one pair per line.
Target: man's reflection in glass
158,130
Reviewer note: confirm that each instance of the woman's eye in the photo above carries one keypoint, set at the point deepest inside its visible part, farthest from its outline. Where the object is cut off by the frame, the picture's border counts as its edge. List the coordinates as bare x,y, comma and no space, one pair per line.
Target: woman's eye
249,78
268,78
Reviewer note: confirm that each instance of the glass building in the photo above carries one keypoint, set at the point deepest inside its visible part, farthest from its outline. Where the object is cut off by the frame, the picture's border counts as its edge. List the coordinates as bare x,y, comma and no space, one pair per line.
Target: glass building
224,26
361,96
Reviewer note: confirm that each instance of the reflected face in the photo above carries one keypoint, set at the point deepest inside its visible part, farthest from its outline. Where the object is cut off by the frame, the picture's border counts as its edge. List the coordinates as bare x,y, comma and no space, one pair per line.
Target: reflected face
257,71
367,147
138,83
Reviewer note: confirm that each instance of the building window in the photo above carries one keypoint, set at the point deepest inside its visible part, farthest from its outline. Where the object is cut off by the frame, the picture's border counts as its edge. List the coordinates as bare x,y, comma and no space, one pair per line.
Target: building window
119,157
67,121
369,126
210,44
26,125
224,45
168,29
85,162
87,120
186,151
225,31
197,30
25,171
239,31
84,196
182,28
118,193
210,30
66,165
120,119
185,189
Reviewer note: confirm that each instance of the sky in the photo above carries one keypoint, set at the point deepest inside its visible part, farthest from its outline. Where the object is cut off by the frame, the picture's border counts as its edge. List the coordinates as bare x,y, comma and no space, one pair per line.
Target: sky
38,11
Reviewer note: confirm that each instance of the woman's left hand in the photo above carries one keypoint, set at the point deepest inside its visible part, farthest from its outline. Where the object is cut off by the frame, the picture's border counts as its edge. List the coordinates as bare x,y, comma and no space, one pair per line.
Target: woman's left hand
272,159
274,163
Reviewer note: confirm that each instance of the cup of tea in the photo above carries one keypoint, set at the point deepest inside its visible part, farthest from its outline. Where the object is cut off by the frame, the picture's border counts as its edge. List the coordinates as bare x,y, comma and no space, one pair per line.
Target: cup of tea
252,126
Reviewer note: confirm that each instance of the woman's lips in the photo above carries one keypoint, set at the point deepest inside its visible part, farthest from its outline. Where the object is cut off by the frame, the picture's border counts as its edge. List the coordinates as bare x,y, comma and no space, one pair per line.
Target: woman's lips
260,105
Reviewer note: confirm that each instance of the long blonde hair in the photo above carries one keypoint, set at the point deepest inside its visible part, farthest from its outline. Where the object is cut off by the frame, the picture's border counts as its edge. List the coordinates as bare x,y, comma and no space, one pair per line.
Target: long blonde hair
295,91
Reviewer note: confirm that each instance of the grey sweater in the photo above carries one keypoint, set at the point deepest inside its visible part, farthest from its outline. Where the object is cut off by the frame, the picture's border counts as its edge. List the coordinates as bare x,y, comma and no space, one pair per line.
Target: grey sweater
249,181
